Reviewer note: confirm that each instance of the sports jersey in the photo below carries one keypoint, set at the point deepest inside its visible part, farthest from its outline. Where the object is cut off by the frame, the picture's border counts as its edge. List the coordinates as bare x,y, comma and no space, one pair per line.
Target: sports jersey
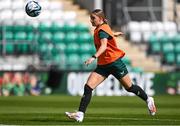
112,52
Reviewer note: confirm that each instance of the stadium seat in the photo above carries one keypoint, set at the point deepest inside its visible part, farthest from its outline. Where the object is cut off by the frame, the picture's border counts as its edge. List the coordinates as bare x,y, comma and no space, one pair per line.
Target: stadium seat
18,17
44,27
135,36
70,37
169,58
22,48
73,62
133,26
9,47
17,4
45,37
83,58
69,17
58,37
176,39
157,26
167,47
9,36
164,39
85,37
31,36
57,27
170,27
20,36
72,48
18,28
155,47
87,48
177,48
153,39
57,16
68,28
137,69
5,4
178,59
61,47
81,27
6,15
45,16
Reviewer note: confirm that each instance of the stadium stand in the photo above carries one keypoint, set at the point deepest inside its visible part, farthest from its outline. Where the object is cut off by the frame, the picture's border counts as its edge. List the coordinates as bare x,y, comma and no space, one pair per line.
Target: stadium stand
58,37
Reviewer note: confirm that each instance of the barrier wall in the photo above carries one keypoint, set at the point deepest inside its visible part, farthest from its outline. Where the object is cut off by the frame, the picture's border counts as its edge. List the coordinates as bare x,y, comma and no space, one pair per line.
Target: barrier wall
72,83
153,84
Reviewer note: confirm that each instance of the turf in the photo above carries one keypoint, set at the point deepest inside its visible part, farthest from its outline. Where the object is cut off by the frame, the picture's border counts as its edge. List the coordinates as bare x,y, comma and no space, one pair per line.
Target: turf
49,110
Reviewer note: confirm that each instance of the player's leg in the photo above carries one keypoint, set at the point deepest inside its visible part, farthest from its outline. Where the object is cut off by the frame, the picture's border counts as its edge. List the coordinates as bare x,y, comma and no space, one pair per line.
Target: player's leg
126,82
93,81
121,73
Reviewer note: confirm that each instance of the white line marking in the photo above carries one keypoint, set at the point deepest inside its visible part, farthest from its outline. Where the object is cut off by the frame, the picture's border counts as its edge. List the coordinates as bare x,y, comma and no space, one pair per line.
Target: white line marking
137,119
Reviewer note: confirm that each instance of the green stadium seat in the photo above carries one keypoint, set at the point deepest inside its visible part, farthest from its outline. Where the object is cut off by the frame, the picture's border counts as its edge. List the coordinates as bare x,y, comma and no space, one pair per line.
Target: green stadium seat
72,48
45,48
30,36
83,58
44,27
85,37
137,69
57,27
9,35
71,37
164,39
82,28
8,28
29,28
20,36
178,59
68,28
155,47
1,36
176,39
45,37
54,51
169,58
153,39
73,62
23,48
61,47
61,61
19,28
58,37
1,32
177,48
87,48
167,47
9,47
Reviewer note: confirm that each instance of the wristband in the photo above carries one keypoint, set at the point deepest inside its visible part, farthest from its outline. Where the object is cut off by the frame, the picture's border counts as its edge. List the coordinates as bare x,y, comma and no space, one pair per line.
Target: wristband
94,56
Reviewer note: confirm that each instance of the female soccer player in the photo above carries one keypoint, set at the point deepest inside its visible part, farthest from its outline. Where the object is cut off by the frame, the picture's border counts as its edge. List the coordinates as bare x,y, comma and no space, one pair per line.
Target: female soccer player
108,62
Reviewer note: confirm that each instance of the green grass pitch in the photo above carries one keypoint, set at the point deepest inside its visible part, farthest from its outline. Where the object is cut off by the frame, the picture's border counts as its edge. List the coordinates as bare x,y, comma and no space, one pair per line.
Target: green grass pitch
49,110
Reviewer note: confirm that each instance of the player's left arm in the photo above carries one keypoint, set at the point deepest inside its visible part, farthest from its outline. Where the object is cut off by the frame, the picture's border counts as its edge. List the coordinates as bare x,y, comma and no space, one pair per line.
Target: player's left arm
101,49
117,34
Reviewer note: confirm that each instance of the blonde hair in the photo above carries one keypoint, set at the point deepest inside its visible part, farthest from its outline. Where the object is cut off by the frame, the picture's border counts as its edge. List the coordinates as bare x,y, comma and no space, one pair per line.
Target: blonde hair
100,13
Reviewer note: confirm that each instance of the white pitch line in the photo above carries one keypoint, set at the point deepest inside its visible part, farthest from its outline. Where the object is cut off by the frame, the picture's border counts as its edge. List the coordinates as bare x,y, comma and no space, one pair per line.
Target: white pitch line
137,119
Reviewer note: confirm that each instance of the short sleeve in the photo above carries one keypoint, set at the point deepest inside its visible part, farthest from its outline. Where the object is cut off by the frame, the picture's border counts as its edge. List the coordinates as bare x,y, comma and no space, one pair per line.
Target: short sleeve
103,34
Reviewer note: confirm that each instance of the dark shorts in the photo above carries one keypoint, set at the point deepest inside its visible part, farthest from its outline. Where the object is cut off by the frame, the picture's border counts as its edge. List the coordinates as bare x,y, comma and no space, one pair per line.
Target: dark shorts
117,69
